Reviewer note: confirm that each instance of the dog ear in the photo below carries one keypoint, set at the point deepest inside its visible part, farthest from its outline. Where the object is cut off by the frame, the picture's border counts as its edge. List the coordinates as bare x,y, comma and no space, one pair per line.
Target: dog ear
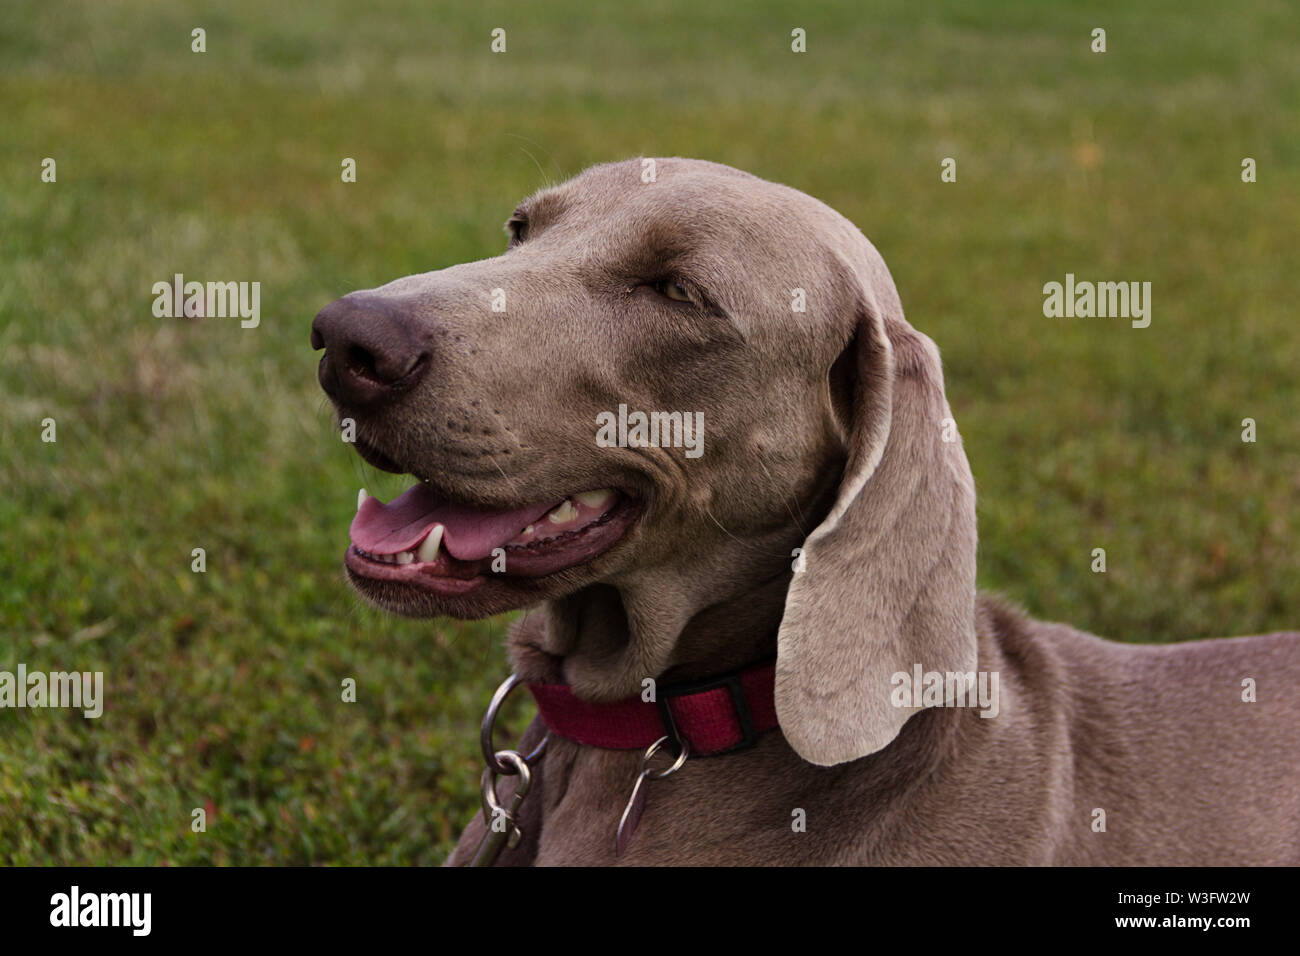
888,578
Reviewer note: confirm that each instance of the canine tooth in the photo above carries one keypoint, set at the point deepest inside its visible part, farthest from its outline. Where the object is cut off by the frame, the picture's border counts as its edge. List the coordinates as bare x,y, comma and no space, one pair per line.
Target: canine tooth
361,498
431,545
563,513
530,529
406,557
595,499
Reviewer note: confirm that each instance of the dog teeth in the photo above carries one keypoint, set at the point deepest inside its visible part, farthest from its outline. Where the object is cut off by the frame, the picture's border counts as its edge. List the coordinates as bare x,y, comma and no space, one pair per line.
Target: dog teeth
402,557
430,546
595,499
361,498
563,514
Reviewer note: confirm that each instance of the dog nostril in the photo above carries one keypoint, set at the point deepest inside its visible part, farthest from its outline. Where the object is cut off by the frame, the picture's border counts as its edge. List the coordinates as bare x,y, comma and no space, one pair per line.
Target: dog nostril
361,362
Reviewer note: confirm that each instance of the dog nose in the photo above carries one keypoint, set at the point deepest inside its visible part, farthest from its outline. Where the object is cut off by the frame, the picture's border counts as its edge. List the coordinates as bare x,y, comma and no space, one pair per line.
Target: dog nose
373,349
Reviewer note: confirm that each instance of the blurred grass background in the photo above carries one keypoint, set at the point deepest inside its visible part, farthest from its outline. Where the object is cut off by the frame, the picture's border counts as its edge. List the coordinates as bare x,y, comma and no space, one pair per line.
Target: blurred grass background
223,688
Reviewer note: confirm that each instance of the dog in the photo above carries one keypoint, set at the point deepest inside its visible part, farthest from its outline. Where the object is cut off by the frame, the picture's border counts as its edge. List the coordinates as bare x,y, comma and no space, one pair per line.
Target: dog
683,421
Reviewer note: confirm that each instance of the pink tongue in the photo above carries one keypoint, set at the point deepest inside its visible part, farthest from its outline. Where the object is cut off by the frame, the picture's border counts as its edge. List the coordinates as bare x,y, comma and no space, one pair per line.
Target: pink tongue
469,534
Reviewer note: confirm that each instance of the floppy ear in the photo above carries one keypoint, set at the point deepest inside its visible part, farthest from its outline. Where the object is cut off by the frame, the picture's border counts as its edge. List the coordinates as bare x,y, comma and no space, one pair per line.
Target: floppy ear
889,575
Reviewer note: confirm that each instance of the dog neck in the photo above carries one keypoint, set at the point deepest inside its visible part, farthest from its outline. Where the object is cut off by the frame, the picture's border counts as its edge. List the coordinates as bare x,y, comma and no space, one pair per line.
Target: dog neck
732,634
586,640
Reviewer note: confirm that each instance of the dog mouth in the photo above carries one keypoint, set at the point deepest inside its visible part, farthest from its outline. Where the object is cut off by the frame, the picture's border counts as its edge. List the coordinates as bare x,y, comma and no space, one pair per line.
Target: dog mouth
429,542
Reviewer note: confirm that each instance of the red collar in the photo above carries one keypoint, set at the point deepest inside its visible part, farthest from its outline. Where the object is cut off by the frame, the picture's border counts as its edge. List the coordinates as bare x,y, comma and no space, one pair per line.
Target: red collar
715,716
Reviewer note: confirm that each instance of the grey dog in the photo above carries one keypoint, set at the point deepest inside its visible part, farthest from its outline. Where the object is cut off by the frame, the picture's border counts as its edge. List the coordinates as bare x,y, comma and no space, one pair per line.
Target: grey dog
826,517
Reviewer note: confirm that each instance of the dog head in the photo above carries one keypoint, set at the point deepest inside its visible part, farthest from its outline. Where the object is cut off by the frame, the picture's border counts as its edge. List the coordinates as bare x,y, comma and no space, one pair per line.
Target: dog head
677,380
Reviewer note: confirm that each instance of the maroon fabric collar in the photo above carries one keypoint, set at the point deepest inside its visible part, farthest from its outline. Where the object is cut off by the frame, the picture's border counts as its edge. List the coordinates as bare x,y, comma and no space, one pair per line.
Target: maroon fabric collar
714,716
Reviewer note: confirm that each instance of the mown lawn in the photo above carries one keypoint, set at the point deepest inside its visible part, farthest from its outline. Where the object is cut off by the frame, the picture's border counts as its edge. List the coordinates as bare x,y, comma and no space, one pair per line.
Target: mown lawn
223,688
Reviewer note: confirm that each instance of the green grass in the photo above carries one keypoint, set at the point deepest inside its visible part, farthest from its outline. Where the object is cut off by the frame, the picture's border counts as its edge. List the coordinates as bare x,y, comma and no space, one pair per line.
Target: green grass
224,688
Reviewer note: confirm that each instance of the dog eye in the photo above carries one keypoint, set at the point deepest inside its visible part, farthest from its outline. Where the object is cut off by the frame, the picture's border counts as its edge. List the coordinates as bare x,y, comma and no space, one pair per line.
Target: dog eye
673,289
